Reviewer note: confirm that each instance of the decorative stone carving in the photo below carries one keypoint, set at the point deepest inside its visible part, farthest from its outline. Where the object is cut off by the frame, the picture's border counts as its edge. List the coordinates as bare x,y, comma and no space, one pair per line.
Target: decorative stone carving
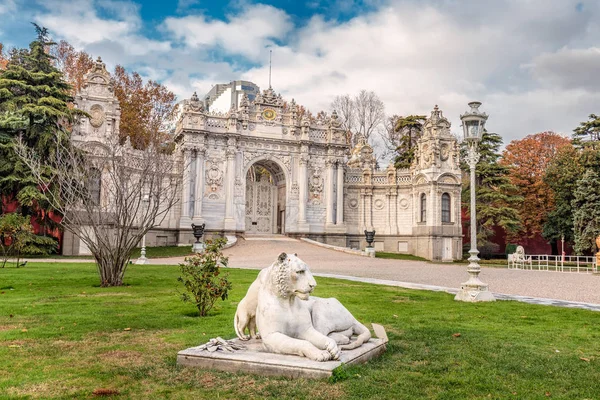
97,116
290,321
362,155
214,177
315,186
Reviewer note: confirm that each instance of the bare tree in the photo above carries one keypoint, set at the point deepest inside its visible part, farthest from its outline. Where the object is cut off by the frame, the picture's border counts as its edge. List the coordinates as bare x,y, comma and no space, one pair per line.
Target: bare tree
344,106
362,115
370,113
109,195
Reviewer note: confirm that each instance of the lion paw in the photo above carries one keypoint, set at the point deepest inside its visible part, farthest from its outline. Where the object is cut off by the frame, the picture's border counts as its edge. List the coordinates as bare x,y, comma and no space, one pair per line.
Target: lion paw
333,350
323,355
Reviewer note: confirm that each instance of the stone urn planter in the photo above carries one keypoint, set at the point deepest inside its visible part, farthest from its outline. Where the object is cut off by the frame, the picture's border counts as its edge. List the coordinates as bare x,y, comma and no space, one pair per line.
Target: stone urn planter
370,237
198,246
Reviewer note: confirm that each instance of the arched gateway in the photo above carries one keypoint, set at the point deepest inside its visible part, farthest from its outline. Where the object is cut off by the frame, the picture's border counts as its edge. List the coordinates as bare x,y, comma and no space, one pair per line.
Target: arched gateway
266,198
266,166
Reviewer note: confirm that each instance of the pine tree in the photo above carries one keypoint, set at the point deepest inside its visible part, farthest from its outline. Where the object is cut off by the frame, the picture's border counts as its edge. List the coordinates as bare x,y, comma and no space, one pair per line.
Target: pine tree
586,217
562,176
33,108
587,134
409,131
496,195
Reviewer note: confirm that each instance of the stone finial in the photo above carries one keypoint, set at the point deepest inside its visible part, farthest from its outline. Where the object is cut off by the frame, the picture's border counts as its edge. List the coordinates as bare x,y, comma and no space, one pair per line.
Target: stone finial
195,97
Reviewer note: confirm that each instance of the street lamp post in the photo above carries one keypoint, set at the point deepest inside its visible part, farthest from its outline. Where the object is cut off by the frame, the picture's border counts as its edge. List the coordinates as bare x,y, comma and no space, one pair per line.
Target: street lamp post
473,290
143,259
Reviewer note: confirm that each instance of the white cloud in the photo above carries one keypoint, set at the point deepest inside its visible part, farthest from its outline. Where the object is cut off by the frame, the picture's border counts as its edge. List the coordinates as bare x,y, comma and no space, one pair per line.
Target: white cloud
531,63
246,33
568,68
8,6
80,24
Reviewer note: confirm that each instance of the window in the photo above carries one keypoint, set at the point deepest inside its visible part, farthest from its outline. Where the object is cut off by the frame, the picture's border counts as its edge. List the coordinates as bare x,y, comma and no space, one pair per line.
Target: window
95,185
423,208
446,207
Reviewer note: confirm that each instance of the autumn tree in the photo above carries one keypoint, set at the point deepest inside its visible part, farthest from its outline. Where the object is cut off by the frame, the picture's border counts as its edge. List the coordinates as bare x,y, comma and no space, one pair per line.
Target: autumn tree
73,64
528,160
146,108
408,131
497,197
3,57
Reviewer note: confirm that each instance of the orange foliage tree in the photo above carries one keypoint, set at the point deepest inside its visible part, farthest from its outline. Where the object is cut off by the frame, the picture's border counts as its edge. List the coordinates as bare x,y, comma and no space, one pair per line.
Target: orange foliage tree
3,57
528,160
147,107
73,64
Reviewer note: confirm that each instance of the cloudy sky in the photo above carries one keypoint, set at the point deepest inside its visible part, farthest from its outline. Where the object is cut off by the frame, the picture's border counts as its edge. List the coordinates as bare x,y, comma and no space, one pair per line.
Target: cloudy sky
533,63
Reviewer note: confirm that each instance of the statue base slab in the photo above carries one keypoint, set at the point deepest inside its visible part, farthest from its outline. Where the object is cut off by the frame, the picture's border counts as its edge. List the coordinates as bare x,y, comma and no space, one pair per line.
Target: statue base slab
254,359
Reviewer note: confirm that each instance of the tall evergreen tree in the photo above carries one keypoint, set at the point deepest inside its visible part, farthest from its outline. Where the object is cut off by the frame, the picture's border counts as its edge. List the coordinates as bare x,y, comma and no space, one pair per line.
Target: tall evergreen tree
33,108
586,216
561,176
587,134
496,195
408,130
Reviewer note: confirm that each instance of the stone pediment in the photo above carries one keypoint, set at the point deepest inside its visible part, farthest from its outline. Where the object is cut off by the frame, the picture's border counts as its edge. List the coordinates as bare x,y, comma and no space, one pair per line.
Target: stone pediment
268,115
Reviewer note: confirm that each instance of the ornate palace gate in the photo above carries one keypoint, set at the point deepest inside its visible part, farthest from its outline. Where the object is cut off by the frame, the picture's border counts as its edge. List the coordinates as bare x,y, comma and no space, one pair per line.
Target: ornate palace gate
260,205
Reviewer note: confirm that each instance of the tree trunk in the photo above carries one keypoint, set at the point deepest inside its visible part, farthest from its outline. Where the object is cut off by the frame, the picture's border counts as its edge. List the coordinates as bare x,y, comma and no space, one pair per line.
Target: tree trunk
111,271
554,245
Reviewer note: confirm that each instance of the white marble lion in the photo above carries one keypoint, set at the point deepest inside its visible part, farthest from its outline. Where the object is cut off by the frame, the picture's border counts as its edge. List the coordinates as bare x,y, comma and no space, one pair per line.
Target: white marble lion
290,321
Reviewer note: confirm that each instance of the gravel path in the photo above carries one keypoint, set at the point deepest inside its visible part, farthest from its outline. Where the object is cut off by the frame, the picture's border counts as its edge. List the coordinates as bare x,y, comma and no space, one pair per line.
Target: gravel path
261,252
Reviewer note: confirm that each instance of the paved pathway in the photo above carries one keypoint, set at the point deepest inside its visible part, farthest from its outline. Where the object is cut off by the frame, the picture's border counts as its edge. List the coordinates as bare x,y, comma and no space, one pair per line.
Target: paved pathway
576,290
541,287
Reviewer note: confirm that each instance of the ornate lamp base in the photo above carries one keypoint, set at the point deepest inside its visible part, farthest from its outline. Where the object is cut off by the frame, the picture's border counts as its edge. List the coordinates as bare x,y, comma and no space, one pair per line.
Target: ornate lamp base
472,294
474,290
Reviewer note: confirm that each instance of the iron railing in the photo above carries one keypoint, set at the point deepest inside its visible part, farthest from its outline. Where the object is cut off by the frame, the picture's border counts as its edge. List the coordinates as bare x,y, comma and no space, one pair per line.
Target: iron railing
545,262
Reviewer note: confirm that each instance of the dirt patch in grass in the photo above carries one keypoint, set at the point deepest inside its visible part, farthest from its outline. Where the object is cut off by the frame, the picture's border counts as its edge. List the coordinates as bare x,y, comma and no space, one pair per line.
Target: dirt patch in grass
41,390
8,327
123,358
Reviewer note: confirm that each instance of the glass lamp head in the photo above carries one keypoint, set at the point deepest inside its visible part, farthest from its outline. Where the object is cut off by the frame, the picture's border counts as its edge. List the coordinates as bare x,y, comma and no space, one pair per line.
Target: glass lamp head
473,122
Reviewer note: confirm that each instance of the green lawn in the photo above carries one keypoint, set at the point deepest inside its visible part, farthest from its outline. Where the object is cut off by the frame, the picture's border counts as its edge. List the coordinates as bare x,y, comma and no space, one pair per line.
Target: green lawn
62,336
398,256
164,251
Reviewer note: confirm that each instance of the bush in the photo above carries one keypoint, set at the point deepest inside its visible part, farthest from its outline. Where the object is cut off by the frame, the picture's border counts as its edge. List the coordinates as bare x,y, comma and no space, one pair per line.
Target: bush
201,276
17,238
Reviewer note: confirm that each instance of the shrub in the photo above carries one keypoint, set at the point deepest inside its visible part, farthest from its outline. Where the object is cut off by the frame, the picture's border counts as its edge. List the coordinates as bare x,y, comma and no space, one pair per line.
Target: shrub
201,276
17,238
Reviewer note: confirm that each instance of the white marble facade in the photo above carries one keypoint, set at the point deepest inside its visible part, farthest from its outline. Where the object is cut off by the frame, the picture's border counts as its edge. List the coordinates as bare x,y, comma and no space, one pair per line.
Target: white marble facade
268,167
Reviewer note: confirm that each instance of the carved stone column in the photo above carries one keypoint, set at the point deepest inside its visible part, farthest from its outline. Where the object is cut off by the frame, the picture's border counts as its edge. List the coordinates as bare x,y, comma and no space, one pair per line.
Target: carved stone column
339,220
393,211
302,192
199,195
330,200
229,189
185,195
369,208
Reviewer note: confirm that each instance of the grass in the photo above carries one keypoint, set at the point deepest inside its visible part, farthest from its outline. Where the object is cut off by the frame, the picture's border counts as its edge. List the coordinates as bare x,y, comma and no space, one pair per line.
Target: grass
398,256
62,336
164,251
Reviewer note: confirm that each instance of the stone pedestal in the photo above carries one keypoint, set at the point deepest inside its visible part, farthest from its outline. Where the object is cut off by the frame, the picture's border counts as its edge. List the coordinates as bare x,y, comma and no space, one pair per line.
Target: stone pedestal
370,251
255,360
198,247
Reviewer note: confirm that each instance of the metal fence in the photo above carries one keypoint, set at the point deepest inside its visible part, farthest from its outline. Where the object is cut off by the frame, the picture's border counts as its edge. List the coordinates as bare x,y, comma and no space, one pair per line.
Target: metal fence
544,262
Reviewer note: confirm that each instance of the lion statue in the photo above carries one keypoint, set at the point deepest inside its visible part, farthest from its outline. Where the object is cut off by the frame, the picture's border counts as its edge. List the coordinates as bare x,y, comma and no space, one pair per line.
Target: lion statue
289,320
